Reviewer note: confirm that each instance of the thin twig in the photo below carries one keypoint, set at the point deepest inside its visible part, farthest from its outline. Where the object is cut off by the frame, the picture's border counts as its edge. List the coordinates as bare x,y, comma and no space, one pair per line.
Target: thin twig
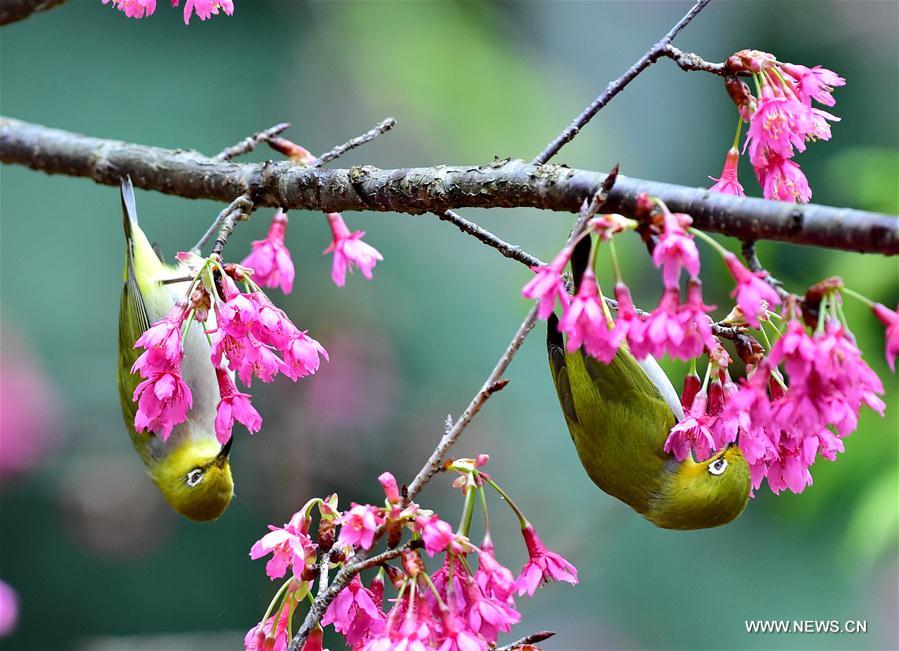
248,144
242,204
512,251
755,266
651,56
382,127
690,61
533,638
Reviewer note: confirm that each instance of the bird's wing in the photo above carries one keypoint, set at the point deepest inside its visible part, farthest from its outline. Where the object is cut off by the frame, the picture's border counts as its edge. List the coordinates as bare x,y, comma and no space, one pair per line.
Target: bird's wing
555,348
133,321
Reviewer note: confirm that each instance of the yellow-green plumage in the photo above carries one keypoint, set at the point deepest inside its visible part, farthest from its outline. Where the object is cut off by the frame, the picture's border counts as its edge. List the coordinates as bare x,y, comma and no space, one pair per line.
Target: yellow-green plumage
619,416
190,468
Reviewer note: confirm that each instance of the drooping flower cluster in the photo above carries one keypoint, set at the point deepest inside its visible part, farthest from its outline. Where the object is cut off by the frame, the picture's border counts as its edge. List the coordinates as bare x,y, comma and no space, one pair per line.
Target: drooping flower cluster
681,330
781,121
455,607
795,405
204,9
247,334
801,396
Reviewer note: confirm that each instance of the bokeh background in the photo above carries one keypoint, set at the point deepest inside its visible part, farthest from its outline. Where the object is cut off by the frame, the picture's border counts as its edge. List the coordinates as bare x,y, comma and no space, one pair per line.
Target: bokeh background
97,558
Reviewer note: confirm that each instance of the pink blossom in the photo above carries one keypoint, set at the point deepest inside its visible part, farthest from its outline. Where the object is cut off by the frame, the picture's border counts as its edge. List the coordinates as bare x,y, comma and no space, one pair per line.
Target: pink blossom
391,490
889,318
697,327
628,323
753,294
162,344
783,180
205,9
487,616
436,534
247,356
494,579
269,636
9,609
544,566
814,83
250,329
789,468
355,614
675,249
349,250
270,260
301,356
585,323
663,330
457,637
134,8
548,285
749,406
359,525
163,401
776,127
290,546
233,405
693,433
729,183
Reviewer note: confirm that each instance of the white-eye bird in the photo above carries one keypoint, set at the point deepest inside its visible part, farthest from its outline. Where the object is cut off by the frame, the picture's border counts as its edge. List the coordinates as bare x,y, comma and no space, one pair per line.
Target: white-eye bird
191,468
619,416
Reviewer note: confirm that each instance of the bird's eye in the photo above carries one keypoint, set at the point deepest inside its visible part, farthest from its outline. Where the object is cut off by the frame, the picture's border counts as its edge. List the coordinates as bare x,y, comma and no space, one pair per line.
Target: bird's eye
194,477
718,466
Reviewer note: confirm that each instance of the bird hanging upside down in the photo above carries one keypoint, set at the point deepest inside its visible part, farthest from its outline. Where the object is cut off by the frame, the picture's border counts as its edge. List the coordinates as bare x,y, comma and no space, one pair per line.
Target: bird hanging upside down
190,467
619,416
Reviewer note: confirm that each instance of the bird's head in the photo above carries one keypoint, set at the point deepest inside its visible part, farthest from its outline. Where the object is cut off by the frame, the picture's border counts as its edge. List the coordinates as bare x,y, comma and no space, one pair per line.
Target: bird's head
195,478
704,494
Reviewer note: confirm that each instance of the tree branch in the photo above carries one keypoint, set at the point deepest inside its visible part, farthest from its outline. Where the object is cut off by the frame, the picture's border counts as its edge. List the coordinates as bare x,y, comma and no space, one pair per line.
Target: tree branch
12,11
501,184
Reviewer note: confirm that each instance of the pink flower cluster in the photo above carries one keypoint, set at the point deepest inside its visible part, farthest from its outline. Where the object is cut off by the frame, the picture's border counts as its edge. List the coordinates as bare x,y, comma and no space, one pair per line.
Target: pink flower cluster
163,398
680,330
784,421
204,9
455,608
248,335
781,121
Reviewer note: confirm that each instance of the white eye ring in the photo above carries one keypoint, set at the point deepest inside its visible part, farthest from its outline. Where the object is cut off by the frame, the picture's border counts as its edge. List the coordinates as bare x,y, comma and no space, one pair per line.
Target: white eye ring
718,466
194,477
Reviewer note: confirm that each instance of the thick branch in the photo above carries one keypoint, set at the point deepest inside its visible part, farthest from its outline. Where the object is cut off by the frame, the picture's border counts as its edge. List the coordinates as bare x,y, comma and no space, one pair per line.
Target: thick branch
12,11
501,184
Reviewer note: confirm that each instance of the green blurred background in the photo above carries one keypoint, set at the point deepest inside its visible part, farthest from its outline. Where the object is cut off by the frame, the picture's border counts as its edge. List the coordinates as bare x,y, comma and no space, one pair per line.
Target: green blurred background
98,559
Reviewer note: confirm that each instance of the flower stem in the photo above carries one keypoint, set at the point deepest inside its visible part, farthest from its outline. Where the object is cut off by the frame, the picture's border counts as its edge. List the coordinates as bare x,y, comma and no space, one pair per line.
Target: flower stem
521,519
859,297
736,144
433,589
614,254
483,495
467,512
708,239
277,596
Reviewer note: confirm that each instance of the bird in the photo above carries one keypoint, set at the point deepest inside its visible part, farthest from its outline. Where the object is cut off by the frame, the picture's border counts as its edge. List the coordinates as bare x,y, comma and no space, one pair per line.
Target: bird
190,468
619,416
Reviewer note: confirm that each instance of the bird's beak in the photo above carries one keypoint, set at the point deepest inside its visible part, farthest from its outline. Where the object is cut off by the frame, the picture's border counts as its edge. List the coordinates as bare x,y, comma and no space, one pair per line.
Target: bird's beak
222,457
